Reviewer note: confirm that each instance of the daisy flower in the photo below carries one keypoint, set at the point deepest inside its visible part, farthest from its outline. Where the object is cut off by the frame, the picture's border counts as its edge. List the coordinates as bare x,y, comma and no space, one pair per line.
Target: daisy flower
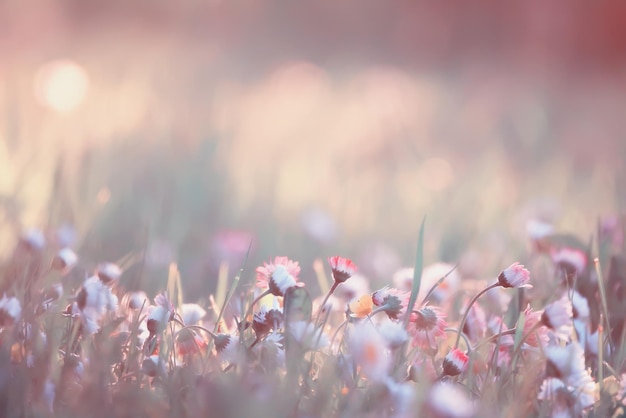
391,301
570,259
531,321
394,334
227,347
278,276
153,366
514,276
160,314
361,307
10,310
108,273
558,317
369,350
64,260
342,268
427,326
266,319
439,401
191,313
454,363
568,364
189,342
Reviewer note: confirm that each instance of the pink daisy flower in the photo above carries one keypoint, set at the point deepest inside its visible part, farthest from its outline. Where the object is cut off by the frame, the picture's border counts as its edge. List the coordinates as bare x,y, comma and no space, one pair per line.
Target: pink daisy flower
160,314
426,326
455,362
342,268
278,276
558,317
514,276
392,301
189,342
540,334
571,259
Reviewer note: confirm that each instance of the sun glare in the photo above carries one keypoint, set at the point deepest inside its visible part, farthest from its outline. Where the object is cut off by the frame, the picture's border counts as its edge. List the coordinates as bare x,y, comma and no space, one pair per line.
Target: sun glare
61,85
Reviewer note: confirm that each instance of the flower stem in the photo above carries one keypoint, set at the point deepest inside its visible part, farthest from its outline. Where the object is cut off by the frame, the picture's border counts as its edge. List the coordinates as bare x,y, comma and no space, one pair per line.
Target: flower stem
249,310
518,349
330,292
469,306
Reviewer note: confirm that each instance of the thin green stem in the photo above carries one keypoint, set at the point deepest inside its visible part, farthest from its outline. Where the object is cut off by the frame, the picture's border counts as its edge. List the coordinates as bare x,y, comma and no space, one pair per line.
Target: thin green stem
469,306
330,292
518,349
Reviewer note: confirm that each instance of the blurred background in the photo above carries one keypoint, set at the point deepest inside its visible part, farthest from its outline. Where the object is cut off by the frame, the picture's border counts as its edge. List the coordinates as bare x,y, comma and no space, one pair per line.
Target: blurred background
183,131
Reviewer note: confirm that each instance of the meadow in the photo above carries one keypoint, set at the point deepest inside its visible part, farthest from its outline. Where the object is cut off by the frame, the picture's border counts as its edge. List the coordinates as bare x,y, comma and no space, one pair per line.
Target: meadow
231,211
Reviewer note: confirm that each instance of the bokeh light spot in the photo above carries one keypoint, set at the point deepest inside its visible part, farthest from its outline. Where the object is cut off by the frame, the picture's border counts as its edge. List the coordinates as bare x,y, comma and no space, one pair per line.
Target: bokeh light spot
61,85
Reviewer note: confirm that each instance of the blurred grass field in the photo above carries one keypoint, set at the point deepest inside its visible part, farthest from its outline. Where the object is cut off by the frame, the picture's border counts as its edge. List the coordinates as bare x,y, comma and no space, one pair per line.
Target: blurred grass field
197,129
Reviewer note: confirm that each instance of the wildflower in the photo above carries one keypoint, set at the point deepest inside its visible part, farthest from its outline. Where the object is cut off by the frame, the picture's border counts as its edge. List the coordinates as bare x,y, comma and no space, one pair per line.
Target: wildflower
10,310
570,259
535,333
394,334
191,313
278,276
368,349
342,268
135,300
308,335
64,260
272,350
558,317
514,276
153,366
426,326
449,400
568,364
189,342
560,398
34,239
580,315
160,314
266,319
227,347
95,295
455,362
108,273
361,307
93,300
391,301
402,397
538,229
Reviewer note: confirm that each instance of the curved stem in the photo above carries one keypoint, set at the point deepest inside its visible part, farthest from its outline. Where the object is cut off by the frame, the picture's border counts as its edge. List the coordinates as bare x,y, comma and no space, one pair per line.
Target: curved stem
343,324
254,302
461,334
469,306
518,349
494,337
330,292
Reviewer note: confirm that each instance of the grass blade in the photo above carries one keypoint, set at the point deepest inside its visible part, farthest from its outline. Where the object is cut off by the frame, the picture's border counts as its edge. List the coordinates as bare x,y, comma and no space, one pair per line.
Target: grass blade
417,272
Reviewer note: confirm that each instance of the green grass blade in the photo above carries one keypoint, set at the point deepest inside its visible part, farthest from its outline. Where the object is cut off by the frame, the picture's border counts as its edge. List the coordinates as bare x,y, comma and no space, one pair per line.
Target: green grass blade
233,288
417,273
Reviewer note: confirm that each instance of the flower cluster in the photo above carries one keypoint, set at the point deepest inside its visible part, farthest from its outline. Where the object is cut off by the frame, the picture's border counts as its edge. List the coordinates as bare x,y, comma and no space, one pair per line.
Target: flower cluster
348,352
